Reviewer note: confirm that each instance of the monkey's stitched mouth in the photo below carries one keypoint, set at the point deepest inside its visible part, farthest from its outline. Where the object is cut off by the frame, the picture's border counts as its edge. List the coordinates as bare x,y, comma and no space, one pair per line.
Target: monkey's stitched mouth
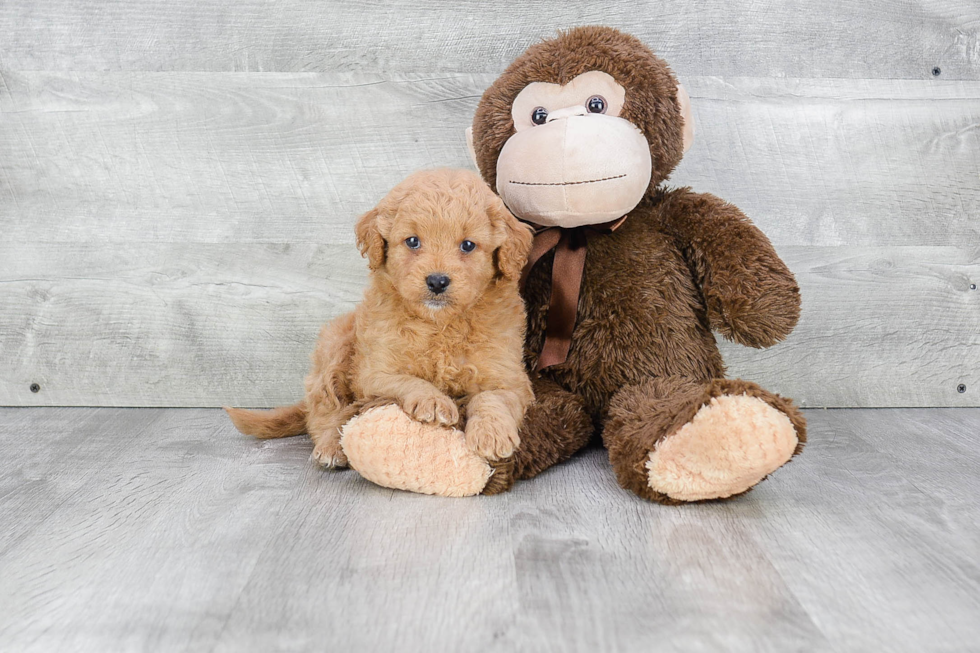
564,183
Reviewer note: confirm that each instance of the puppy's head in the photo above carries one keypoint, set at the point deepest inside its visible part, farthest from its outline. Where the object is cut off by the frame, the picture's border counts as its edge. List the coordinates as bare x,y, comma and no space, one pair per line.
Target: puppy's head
440,238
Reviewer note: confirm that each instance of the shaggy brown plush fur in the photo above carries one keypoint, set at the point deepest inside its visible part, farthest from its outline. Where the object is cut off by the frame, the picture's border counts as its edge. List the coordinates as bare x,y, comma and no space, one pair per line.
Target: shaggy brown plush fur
431,353
643,358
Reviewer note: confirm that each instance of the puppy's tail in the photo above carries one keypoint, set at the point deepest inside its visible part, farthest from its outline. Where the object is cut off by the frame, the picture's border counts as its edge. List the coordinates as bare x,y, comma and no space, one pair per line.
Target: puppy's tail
265,424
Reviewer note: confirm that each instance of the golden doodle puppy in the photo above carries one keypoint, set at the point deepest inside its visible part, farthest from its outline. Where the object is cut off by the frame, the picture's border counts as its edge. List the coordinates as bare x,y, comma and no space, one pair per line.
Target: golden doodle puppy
440,331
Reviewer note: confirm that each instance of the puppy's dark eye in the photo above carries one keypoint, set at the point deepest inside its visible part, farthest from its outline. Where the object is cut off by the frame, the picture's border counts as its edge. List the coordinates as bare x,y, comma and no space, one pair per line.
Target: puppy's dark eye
413,242
467,246
539,116
596,104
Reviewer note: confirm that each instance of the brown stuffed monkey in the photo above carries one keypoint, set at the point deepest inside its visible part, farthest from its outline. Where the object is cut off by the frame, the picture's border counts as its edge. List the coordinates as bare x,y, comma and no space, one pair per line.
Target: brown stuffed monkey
628,278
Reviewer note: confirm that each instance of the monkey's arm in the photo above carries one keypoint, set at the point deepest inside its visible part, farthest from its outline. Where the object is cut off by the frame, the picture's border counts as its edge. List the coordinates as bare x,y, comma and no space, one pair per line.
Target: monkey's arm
751,296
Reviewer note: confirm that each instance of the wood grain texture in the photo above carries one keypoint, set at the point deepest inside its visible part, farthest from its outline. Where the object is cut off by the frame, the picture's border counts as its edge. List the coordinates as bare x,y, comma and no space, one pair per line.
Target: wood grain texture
713,37
179,181
167,530
295,157
159,324
893,326
170,324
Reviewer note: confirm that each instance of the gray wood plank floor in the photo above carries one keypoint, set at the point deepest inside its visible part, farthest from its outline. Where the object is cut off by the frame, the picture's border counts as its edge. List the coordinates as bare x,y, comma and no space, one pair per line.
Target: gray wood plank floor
163,529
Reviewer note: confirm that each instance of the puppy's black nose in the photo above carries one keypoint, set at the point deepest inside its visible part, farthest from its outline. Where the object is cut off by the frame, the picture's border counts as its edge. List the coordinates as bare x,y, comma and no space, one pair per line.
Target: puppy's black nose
437,283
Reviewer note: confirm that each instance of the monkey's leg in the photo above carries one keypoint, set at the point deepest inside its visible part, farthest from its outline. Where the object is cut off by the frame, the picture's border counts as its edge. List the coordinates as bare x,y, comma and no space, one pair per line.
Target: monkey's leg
673,440
555,426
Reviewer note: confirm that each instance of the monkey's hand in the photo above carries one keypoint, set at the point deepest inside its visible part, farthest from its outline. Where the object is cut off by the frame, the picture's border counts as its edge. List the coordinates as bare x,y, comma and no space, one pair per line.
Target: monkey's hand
751,296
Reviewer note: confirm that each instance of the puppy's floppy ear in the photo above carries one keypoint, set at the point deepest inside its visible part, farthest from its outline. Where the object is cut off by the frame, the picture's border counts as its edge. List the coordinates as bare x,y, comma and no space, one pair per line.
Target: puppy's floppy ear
369,238
514,239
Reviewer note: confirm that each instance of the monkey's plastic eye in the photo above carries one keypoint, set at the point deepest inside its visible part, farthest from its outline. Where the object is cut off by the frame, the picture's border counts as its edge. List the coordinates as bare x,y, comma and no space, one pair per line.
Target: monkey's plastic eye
467,246
539,116
413,242
596,104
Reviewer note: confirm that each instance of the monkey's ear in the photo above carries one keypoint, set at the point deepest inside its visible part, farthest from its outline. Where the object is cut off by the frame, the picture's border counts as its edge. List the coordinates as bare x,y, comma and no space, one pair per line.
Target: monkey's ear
369,238
469,146
514,239
684,104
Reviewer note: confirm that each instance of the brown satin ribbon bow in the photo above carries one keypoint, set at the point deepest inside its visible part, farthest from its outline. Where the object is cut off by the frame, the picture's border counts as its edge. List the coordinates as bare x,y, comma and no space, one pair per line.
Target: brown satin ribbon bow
566,282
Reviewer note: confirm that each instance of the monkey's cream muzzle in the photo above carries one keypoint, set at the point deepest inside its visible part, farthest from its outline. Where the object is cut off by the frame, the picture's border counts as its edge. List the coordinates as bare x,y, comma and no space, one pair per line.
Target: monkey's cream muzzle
574,170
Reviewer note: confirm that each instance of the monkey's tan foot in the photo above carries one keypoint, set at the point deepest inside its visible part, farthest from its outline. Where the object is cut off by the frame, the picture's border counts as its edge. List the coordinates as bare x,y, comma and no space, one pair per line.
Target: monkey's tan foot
732,443
389,448
328,453
673,440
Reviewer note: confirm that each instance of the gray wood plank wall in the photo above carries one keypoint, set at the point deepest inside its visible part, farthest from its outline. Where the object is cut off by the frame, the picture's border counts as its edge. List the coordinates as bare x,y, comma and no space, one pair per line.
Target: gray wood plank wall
179,181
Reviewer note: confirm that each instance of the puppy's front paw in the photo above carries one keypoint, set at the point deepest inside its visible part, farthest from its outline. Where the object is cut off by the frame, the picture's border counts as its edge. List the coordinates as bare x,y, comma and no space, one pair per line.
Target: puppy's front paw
434,407
327,453
491,437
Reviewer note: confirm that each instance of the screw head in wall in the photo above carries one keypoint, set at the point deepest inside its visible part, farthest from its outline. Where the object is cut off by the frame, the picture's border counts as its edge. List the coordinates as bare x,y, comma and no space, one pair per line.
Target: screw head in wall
35,388
961,388
937,71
